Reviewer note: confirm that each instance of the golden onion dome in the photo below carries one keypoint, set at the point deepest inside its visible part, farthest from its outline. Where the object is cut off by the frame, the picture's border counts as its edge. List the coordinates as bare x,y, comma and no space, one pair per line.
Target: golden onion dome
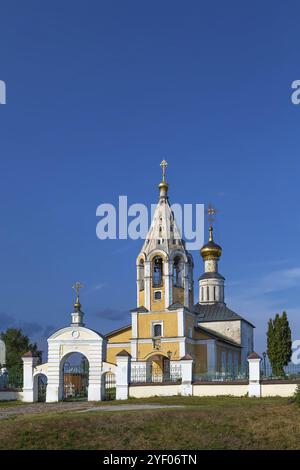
77,305
163,185
211,250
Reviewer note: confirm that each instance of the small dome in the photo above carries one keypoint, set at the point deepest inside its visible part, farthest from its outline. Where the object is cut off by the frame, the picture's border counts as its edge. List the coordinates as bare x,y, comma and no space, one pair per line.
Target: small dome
211,250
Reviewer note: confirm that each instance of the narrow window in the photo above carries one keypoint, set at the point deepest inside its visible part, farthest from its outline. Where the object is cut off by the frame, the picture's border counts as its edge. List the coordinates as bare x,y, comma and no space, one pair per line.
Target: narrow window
157,295
157,271
157,330
178,272
141,275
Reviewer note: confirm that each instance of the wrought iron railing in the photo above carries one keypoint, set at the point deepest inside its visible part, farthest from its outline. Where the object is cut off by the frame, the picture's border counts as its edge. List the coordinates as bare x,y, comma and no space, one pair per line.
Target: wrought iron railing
75,369
11,380
290,372
222,376
146,374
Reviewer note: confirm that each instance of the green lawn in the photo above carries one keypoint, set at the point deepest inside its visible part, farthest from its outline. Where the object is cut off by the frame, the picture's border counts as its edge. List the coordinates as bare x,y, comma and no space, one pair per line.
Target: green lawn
10,403
205,423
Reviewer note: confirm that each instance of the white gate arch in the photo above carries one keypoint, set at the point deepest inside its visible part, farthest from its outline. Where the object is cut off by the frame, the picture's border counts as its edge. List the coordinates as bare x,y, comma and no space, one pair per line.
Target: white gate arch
75,339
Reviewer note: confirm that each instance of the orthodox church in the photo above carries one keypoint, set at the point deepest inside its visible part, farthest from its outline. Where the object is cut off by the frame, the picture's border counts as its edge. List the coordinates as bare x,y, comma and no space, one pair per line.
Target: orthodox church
170,338
166,325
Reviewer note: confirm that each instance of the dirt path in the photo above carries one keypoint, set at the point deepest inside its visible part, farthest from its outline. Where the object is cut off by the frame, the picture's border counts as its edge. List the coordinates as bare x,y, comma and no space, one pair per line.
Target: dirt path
36,408
39,408
129,407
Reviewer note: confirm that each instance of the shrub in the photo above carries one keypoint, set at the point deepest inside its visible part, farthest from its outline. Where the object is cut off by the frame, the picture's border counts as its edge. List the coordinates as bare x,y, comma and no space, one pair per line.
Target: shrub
297,395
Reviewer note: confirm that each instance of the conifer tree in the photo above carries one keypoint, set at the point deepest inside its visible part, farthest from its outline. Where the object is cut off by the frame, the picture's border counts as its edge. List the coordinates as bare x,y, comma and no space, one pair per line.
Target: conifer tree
279,343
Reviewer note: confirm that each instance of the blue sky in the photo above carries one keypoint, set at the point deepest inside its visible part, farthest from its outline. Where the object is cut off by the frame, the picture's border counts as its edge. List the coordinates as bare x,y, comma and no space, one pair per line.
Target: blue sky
97,94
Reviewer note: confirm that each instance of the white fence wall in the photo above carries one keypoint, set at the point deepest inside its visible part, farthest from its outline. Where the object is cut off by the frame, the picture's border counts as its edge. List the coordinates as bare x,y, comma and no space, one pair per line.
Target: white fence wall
214,390
8,395
147,391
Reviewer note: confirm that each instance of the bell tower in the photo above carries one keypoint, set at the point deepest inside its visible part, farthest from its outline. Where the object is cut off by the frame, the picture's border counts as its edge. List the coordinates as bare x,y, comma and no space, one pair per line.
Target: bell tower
164,267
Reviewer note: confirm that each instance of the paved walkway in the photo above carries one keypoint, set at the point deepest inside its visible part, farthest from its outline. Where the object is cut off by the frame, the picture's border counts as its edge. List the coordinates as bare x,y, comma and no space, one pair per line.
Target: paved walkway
38,408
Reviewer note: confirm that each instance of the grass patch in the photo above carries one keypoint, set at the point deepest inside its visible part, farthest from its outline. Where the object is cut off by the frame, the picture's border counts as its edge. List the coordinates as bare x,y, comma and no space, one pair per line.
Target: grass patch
8,403
205,423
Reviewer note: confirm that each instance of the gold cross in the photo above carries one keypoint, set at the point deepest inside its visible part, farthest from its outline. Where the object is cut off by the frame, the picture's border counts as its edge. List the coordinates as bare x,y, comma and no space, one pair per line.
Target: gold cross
211,212
77,286
164,165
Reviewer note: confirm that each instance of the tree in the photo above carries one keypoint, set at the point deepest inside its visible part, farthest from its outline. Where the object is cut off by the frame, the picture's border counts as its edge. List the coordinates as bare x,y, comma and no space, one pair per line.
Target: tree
17,344
279,343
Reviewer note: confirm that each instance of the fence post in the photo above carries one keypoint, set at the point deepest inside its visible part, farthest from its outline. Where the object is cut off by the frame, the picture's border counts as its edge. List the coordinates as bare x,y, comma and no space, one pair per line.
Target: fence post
186,375
3,377
254,387
123,373
29,363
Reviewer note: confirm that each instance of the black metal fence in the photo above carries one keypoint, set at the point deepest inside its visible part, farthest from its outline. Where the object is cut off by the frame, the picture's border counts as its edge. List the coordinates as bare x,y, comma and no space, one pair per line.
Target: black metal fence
233,375
290,372
110,386
11,380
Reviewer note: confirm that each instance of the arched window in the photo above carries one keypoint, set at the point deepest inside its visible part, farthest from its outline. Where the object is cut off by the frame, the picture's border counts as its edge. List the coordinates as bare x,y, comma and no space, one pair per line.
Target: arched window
157,271
141,274
178,272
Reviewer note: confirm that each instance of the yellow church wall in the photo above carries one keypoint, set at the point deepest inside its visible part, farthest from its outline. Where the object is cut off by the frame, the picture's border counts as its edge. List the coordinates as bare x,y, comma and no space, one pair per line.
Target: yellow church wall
201,335
158,304
146,349
173,347
199,354
200,358
120,337
112,352
178,295
189,322
170,326
141,298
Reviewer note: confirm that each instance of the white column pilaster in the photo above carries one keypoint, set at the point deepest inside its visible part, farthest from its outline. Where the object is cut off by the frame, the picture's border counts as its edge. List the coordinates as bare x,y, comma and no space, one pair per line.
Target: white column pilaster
254,387
29,363
147,285
123,373
186,375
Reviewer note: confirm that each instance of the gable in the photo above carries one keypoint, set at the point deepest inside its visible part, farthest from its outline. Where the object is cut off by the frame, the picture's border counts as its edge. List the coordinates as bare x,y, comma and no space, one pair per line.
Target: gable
121,335
79,333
